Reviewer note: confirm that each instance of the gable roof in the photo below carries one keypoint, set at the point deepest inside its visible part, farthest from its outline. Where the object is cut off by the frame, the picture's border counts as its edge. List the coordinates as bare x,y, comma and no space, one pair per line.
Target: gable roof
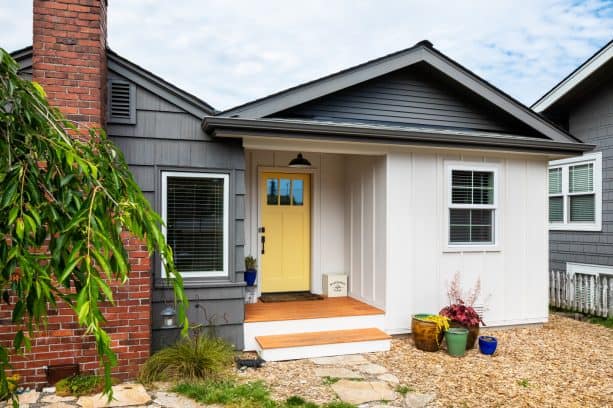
421,52
575,79
140,76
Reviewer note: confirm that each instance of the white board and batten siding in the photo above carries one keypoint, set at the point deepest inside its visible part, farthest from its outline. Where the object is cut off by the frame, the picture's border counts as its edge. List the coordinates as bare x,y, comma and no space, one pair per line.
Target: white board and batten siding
348,217
327,206
365,228
420,263
381,217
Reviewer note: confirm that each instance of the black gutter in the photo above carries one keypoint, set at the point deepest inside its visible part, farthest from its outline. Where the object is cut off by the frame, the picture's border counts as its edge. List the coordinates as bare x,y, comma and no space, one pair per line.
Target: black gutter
238,127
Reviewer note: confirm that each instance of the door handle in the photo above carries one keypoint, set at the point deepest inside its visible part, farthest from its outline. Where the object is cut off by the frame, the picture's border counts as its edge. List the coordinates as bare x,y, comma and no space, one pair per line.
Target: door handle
262,240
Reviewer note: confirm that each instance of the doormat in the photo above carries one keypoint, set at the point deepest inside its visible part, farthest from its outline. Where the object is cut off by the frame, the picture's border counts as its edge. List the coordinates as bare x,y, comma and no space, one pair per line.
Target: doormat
289,297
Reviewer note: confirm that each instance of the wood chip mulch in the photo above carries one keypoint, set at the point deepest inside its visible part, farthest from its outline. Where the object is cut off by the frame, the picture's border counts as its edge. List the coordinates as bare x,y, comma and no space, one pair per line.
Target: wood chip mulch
563,363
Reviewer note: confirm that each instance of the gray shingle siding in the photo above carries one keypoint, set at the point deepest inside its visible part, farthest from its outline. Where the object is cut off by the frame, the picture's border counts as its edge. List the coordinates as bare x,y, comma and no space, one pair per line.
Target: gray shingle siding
415,95
165,137
591,120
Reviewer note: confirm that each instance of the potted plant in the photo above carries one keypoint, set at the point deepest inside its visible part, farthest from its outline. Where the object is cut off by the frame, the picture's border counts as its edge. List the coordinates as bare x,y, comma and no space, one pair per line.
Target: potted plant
456,338
487,345
460,310
250,270
427,330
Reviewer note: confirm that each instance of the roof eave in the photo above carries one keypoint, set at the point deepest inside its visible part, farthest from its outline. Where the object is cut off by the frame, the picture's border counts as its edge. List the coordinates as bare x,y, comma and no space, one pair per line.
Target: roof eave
235,127
574,79
421,52
191,103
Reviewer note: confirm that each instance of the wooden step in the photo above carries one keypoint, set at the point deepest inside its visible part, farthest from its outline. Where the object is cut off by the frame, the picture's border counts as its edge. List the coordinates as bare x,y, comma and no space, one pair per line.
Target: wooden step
319,338
280,347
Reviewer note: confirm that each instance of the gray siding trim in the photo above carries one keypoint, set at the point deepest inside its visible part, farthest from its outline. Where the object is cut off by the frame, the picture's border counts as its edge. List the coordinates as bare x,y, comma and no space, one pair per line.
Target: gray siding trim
245,128
235,242
420,53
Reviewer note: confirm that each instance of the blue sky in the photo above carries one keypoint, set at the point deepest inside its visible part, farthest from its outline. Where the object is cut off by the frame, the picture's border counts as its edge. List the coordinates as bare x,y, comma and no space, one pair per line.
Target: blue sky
228,53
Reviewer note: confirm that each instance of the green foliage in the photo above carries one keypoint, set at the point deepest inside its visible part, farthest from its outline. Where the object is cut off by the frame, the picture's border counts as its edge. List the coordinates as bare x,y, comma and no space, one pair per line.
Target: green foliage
404,389
250,262
524,382
75,197
192,358
81,384
330,380
248,395
299,402
229,393
603,321
338,404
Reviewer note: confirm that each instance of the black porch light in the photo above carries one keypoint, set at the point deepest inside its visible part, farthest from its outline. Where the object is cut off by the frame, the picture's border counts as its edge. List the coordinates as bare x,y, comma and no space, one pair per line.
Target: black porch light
299,162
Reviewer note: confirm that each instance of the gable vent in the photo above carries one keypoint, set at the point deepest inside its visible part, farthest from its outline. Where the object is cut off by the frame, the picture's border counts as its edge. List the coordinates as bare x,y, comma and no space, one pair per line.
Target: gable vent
121,106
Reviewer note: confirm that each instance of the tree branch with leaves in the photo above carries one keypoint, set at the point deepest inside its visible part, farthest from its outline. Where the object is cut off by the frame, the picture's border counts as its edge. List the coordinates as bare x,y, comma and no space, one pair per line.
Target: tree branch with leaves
64,203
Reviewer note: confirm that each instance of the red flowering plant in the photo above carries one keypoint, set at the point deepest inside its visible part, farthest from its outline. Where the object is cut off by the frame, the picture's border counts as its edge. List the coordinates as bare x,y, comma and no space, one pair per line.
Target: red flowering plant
460,310
460,313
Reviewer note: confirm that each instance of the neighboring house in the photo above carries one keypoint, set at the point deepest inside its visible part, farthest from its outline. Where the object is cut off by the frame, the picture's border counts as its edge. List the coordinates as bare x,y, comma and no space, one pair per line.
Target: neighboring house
581,188
413,169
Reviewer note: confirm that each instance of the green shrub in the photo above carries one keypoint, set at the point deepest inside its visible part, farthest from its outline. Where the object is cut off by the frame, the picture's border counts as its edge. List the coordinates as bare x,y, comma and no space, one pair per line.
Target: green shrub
248,395
81,384
193,358
226,392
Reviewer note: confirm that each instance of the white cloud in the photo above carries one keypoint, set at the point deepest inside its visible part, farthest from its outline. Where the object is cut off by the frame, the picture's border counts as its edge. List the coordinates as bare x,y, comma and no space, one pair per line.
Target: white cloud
231,52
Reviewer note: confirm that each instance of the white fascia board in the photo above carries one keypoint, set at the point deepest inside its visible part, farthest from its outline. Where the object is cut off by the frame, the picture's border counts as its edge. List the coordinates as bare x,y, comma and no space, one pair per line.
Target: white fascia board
573,80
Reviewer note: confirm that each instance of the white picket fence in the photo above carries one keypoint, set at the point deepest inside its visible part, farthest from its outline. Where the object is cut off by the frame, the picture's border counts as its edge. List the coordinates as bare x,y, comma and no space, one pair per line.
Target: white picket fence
591,294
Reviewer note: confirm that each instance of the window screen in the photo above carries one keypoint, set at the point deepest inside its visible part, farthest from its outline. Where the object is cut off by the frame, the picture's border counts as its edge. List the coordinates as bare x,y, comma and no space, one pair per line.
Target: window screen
574,194
556,199
195,222
471,213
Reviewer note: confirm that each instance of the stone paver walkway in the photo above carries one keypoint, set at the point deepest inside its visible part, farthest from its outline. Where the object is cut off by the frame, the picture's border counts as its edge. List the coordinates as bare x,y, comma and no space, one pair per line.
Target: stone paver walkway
124,395
356,380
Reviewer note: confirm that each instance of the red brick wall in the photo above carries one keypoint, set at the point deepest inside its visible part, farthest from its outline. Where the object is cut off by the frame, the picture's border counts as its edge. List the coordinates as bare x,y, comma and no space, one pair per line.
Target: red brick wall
70,57
69,61
128,324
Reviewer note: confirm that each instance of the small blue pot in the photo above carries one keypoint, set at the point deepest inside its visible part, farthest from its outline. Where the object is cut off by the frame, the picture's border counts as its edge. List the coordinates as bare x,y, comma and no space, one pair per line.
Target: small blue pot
250,275
487,345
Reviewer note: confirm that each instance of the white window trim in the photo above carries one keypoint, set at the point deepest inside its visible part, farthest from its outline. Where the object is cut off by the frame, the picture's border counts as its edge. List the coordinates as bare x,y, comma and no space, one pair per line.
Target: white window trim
564,164
472,247
588,269
226,210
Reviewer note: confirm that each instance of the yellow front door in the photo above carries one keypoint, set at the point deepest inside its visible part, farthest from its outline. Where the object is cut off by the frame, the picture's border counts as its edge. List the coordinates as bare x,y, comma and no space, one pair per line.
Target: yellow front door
286,232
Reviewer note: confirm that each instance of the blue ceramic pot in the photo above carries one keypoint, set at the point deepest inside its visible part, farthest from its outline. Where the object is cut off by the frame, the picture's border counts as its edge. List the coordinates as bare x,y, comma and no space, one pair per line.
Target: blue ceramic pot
487,345
250,275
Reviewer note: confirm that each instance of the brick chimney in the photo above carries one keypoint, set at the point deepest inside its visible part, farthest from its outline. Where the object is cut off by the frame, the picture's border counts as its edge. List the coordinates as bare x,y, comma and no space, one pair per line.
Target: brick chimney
69,57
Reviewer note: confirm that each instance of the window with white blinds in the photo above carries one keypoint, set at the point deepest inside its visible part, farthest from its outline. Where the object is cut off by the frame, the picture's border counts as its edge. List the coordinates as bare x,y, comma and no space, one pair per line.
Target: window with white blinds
195,212
472,206
575,193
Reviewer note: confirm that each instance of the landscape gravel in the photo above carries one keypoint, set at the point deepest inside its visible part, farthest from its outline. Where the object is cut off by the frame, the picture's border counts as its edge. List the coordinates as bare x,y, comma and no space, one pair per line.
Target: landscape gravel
562,363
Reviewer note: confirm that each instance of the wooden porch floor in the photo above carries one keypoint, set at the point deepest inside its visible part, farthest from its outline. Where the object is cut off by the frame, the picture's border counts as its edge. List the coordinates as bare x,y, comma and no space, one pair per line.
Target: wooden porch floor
311,309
